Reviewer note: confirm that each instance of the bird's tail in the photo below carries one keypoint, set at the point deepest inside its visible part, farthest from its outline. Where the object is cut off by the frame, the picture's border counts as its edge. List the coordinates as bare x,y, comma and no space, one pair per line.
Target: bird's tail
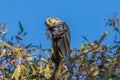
65,50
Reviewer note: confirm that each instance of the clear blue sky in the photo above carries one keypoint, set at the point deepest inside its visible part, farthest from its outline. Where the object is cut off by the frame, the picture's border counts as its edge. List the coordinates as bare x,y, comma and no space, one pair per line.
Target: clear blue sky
85,17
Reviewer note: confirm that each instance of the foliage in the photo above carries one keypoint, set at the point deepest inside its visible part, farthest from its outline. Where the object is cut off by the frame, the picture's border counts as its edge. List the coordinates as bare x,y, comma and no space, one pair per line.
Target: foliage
94,60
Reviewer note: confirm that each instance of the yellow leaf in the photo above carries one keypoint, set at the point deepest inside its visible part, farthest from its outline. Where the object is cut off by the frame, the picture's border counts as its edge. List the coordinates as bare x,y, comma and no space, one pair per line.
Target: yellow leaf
29,59
110,79
95,47
110,60
3,53
1,45
96,73
19,52
33,70
84,48
43,59
51,49
92,69
23,67
47,71
41,69
12,61
17,72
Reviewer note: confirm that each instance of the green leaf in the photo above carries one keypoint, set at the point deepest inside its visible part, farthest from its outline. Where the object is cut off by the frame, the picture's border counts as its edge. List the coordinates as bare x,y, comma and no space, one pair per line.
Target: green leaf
47,71
33,70
44,59
45,50
103,37
1,32
17,72
51,50
84,48
110,70
41,69
96,73
10,43
106,75
1,45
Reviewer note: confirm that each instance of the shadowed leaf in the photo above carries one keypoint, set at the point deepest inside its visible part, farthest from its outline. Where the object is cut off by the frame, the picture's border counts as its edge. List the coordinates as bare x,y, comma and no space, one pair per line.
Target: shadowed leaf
21,28
28,46
85,39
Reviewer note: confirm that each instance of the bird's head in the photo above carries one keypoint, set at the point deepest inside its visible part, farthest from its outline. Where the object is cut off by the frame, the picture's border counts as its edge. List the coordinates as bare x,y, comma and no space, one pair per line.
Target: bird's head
52,22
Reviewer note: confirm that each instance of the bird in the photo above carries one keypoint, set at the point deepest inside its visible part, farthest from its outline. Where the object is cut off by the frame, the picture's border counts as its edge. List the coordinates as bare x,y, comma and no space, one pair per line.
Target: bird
58,31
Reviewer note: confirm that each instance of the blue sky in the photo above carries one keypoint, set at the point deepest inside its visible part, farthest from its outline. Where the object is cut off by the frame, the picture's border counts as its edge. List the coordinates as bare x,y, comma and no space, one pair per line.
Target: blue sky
85,17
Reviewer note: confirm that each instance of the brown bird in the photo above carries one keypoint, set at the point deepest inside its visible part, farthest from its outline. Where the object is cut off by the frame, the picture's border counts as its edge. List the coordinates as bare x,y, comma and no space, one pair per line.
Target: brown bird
59,32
